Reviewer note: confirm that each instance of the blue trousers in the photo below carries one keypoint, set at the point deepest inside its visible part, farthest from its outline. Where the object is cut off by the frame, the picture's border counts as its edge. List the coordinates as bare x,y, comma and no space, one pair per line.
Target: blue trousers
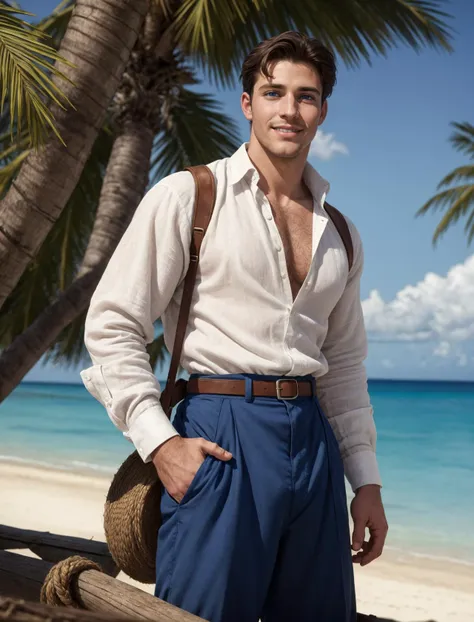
265,535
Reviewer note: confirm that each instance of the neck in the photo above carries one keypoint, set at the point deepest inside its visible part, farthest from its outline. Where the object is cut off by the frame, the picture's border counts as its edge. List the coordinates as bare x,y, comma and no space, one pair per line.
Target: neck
280,178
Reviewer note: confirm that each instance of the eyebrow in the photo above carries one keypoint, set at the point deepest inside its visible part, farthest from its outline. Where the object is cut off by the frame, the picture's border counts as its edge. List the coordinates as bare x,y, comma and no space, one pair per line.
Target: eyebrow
311,89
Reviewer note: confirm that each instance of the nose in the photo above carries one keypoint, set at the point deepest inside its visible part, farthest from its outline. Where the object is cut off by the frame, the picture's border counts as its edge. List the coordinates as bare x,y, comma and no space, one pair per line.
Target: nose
289,106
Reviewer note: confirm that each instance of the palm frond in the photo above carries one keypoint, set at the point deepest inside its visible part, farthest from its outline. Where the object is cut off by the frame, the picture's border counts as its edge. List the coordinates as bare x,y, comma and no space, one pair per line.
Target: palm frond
458,202
55,266
463,138
442,199
55,25
461,173
13,151
195,132
11,165
26,76
219,35
469,227
461,206
14,145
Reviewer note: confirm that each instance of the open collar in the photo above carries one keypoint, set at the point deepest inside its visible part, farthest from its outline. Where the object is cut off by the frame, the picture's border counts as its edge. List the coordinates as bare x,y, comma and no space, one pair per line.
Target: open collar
241,166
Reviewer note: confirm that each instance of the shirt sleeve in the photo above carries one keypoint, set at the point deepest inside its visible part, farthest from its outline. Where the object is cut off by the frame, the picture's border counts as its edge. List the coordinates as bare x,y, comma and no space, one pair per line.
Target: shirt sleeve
140,279
342,391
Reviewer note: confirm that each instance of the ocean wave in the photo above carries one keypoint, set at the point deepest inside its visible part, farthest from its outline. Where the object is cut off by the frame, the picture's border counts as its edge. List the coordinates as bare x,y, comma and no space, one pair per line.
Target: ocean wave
94,467
74,465
431,556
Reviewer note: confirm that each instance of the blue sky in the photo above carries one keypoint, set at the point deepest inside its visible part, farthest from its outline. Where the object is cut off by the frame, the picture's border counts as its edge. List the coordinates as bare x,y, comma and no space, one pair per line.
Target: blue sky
384,148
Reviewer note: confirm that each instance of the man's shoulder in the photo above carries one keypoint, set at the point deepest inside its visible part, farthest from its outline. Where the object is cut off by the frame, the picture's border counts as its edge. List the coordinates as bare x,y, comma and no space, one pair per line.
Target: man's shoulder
182,185
353,230
353,244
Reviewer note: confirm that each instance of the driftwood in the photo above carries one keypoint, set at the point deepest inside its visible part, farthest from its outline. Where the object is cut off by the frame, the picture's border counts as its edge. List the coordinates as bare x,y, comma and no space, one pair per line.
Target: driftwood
23,577
15,610
53,548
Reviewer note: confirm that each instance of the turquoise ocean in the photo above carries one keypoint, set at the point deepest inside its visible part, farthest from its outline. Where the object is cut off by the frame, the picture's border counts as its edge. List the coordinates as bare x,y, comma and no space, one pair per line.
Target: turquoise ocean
425,451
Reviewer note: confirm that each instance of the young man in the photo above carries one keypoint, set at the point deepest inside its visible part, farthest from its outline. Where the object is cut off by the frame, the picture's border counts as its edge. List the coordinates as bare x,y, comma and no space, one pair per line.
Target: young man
254,511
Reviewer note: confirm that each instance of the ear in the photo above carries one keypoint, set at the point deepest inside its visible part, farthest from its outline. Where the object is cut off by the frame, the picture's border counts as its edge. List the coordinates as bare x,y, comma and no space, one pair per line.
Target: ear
324,111
246,105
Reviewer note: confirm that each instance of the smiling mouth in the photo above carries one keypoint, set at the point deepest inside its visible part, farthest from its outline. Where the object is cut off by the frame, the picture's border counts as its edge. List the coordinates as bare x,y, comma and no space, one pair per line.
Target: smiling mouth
285,130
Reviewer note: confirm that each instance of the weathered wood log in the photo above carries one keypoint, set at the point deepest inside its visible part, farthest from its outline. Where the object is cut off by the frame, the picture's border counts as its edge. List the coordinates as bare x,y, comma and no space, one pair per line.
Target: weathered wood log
53,548
23,577
16,610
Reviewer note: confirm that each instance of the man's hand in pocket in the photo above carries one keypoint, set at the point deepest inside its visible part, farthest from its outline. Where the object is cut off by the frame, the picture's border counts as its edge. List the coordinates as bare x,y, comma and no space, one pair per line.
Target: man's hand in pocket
178,460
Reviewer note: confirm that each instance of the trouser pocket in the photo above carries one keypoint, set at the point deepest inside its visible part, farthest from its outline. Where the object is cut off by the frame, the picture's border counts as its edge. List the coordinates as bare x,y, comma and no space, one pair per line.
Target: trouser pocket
198,417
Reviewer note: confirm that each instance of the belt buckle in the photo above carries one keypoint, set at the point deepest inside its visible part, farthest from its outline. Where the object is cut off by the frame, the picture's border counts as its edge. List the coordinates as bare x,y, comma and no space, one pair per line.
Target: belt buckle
278,388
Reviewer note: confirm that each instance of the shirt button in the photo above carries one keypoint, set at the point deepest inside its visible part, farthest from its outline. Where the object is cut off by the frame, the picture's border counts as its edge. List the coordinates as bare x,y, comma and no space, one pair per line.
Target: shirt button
268,214
278,247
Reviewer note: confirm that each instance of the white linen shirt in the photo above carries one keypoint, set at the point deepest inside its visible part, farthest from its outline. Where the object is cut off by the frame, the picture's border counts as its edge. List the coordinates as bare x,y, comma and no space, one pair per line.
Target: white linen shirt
243,317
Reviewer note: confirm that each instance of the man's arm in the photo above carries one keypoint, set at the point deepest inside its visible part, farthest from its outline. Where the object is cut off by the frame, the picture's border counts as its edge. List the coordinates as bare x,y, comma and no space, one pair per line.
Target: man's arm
343,391
136,287
344,398
138,284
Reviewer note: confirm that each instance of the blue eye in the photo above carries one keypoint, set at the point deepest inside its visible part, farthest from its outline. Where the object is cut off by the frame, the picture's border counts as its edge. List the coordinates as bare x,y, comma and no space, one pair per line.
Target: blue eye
309,96
271,93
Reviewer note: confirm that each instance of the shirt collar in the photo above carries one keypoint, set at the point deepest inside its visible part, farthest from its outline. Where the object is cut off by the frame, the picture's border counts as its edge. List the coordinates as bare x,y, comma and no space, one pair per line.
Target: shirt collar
241,165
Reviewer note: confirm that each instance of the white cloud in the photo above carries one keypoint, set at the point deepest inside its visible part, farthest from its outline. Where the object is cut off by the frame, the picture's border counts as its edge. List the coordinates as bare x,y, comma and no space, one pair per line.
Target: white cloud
443,349
325,146
439,308
387,363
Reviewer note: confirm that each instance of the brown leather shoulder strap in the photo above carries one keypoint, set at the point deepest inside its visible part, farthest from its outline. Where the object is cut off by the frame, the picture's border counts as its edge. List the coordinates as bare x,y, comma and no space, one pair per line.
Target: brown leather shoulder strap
343,229
205,198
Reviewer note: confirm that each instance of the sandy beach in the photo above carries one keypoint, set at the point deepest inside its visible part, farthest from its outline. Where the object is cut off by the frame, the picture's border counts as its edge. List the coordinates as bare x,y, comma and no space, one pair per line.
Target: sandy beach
392,587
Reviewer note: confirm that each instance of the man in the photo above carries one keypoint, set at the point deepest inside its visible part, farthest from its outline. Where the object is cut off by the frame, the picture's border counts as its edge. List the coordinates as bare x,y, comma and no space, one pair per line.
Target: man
254,510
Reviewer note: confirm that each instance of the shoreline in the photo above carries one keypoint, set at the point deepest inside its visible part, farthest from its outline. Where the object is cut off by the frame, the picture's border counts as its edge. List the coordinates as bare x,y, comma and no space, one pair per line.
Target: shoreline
93,471
398,586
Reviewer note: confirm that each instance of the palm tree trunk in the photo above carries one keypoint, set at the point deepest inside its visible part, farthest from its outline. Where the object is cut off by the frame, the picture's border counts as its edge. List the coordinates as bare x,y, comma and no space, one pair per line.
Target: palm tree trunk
98,42
124,185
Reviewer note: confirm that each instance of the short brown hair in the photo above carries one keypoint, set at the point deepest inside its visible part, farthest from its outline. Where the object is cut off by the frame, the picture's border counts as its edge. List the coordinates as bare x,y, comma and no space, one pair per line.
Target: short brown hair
295,47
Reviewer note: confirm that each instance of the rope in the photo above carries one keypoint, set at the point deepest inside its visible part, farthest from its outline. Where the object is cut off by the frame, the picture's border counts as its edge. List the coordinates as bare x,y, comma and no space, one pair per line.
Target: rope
59,584
10,608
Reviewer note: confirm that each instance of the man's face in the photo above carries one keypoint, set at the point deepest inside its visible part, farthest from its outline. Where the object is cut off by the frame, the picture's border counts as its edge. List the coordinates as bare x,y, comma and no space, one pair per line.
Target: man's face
286,109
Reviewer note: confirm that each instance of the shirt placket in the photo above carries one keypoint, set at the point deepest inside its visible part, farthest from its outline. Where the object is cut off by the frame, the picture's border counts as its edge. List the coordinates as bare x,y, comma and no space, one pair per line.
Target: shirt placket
319,223
277,244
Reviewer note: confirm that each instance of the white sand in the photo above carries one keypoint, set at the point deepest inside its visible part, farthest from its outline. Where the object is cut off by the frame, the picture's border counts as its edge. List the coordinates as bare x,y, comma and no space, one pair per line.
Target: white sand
72,504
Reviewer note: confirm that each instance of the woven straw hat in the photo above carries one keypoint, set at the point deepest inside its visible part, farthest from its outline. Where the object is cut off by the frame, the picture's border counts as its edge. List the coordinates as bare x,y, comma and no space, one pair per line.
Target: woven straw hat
132,518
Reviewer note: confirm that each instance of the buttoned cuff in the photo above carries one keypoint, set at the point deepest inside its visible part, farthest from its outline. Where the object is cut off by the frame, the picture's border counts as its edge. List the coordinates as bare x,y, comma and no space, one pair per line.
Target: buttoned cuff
150,430
361,468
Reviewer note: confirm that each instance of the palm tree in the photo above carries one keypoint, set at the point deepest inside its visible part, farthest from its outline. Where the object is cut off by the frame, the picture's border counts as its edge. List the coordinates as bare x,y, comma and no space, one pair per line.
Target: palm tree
154,108
97,46
188,126
457,201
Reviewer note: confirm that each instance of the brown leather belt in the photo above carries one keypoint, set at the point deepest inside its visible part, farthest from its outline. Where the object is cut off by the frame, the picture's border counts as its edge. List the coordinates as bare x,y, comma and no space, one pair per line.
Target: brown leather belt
283,389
